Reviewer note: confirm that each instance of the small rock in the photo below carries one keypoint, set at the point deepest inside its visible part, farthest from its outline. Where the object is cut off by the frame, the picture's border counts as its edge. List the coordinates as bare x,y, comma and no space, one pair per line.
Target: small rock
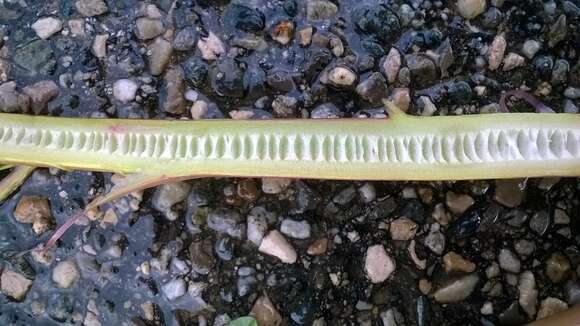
422,68
487,308
435,241
558,31
392,317
171,97
560,72
320,9
508,192
283,32
65,274
275,244
401,97
46,27
453,262
508,261
326,111
391,65
285,106
572,93
167,195
40,94
32,208
403,229
530,48
318,247
558,267
257,224
100,46
227,221
265,312
147,28
524,247
341,77
496,52
551,306
336,46
77,27
295,229
512,61
125,90
458,203
373,89
248,190
211,47
201,256
457,289
540,222
14,285
174,289
367,192
186,39
528,294
160,54
275,186
378,264
305,35
470,9
91,8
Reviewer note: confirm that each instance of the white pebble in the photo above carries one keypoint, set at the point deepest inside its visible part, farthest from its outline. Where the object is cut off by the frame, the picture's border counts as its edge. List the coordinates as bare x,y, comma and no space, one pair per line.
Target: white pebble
65,274
295,229
275,244
378,265
124,90
46,27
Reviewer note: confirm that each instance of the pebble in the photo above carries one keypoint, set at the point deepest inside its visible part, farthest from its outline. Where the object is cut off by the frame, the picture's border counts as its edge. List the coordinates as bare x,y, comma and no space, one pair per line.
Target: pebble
392,317
487,308
65,274
403,229
435,241
201,256
524,247
32,208
540,222
186,39
558,267
172,92
160,54
211,47
227,221
422,68
512,61
274,186
305,35
508,192
572,93
265,312
367,192
470,9
453,262
508,261
285,106
174,289
295,229
46,27
320,9
100,46
401,97
496,52
373,89
530,48
167,195
14,285
458,203
429,108
91,8
318,247
147,28
283,32
457,289
257,225
558,31
551,306
391,65
341,77
326,111
40,94
378,264
125,90
275,244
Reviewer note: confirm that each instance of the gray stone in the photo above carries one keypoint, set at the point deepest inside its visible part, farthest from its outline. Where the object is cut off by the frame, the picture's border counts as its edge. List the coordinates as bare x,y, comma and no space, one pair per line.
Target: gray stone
422,68
558,31
147,28
528,294
551,306
171,97
572,93
168,195
508,261
46,27
373,89
457,289
320,9
295,229
174,289
65,274
530,48
35,57
90,8
540,222
186,39
160,55
435,241
40,94
226,221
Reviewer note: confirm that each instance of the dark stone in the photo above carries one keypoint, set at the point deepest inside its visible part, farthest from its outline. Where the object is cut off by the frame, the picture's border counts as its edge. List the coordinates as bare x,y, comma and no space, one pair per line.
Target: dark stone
544,65
224,248
372,48
290,7
36,57
512,315
558,31
303,314
422,69
377,21
423,311
280,80
255,83
326,111
186,39
60,307
540,222
459,93
194,70
373,89
314,63
560,72
227,79
467,225
413,209
201,257
238,17
492,18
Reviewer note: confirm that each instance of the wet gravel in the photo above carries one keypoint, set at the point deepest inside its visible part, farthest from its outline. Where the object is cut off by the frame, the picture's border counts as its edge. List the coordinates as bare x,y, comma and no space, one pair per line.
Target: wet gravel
292,252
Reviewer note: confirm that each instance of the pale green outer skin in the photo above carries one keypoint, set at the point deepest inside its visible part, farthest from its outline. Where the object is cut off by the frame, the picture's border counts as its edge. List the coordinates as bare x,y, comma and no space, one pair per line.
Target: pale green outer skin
400,148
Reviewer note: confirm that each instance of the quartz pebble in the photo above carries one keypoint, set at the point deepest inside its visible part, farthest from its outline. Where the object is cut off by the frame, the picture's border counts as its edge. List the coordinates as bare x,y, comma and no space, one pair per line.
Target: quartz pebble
378,264
470,9
125,90
47,26
457,289
275,244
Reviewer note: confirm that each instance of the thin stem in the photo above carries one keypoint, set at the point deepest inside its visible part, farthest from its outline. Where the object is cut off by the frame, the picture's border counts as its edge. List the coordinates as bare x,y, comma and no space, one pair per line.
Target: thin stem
14,180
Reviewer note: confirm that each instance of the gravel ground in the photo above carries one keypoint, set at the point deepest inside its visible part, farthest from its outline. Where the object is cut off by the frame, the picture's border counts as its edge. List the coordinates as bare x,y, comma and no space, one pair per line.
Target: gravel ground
287,251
